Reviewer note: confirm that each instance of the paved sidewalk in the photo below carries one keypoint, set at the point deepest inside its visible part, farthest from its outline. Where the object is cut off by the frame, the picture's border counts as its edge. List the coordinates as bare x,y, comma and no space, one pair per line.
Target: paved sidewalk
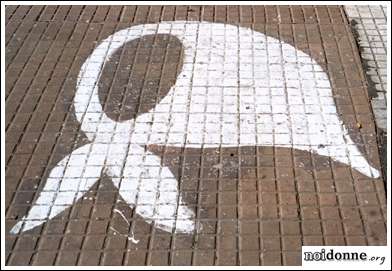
370,24
370,29
232,142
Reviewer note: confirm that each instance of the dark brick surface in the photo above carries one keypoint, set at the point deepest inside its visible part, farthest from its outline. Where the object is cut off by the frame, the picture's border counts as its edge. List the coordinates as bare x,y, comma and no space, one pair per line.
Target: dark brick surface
259,208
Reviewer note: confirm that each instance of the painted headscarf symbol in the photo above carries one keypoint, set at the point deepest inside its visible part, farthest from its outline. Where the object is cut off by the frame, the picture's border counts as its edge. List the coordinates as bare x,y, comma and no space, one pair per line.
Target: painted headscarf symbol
237,87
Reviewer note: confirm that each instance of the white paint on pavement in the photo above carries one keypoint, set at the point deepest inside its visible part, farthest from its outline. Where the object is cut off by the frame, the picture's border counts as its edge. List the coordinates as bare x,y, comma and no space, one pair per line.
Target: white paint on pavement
237,87
132,236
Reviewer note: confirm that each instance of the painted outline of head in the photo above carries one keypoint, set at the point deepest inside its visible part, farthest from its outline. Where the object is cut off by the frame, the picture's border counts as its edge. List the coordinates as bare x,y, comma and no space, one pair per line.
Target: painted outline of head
267,94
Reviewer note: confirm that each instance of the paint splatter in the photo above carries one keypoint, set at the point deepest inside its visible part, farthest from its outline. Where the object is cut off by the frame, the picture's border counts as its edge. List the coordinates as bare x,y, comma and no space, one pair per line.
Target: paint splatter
130,237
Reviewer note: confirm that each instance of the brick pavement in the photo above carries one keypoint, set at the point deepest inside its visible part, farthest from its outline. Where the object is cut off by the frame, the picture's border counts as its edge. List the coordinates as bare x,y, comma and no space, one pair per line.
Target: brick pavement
252,205
369,25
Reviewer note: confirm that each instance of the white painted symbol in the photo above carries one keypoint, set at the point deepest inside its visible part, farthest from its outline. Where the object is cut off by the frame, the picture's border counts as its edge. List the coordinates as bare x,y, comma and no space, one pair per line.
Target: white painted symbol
237,87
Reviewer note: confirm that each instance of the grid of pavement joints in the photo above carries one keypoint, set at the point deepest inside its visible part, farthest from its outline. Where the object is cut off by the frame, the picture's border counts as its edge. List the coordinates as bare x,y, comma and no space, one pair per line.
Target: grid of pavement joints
370,29
255,205
370,24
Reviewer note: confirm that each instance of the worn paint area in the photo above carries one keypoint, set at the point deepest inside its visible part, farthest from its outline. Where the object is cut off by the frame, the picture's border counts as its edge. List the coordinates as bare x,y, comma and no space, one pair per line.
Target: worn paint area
236,88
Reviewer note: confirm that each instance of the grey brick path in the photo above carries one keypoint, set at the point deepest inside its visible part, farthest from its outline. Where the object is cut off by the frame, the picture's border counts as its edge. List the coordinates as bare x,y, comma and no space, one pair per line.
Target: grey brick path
370,24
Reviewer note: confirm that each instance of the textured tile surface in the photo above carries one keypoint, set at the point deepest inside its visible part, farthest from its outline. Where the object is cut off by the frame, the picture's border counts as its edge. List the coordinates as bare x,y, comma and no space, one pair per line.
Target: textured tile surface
226,152
370,24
